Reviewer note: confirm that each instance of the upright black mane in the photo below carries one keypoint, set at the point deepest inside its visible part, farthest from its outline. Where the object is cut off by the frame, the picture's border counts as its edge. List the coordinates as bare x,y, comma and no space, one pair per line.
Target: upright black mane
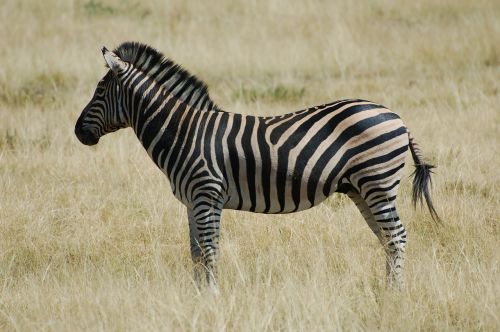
170,75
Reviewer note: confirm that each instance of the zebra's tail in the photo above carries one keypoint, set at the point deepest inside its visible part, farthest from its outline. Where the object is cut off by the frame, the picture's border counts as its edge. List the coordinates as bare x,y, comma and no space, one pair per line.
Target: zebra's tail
422,179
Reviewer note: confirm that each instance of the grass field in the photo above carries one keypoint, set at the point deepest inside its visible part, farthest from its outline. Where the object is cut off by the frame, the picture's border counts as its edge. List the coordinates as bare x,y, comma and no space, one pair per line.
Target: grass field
92,238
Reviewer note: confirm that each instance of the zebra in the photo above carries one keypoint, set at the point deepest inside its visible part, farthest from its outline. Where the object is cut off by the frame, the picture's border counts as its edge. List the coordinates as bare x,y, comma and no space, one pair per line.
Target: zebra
217,160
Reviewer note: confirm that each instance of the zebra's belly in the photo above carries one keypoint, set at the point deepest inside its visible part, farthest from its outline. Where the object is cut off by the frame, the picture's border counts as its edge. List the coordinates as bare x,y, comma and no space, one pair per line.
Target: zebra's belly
284,195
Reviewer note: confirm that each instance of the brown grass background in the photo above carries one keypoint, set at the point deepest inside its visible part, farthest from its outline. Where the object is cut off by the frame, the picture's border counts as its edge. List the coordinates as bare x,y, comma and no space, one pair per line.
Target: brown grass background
92,238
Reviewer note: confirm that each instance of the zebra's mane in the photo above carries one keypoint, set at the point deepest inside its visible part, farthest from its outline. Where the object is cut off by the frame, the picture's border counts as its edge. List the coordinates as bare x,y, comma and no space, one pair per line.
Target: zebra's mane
175,79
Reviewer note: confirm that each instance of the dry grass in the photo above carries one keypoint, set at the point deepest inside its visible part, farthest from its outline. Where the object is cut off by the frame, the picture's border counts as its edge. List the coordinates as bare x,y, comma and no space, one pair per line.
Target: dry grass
91,238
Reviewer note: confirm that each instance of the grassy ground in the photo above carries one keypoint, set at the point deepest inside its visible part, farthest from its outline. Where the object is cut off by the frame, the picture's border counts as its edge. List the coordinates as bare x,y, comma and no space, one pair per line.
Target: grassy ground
92,239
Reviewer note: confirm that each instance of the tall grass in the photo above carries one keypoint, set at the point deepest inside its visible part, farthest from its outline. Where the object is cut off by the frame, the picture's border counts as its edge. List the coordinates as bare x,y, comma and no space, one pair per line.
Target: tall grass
92,239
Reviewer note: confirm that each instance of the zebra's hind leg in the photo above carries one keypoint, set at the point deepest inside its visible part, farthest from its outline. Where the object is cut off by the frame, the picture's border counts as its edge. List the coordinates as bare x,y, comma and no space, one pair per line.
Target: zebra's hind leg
366,213
204,230
196,256
382,218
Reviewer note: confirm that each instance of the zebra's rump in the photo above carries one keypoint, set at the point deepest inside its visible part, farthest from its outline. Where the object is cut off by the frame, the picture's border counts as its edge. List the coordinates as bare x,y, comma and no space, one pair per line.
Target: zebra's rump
292,162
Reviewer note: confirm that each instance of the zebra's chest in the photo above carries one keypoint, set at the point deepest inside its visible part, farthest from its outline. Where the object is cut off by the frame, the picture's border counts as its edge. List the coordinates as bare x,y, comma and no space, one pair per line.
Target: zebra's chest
198,180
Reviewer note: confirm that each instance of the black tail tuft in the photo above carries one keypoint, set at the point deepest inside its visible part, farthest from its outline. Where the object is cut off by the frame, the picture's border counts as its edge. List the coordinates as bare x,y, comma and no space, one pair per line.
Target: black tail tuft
421,180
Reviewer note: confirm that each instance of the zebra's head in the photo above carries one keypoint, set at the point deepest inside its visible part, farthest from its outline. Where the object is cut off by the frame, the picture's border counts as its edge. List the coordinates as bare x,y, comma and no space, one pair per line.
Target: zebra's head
105,112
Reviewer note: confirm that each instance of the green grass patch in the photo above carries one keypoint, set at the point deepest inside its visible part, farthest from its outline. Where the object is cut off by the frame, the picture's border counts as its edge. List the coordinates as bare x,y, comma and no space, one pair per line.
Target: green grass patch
43,89
278,93
10,140
96,8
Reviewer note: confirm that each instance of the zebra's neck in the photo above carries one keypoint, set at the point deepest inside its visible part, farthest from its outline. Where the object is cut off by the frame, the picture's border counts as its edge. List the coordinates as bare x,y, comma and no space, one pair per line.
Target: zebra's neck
160,118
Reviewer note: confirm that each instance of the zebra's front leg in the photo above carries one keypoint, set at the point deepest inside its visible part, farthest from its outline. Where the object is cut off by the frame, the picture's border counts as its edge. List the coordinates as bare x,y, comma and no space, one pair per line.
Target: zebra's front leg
204,230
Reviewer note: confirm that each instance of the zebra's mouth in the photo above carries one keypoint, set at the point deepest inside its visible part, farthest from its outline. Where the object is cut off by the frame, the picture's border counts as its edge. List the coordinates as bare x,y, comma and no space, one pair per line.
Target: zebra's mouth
89,140
86,137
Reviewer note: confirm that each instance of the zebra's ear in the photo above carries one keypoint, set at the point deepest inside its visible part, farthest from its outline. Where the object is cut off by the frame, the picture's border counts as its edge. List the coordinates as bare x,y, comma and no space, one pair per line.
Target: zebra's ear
113,61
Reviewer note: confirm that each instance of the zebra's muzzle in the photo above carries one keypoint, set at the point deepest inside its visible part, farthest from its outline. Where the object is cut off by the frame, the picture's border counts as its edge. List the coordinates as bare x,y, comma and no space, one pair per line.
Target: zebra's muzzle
86,137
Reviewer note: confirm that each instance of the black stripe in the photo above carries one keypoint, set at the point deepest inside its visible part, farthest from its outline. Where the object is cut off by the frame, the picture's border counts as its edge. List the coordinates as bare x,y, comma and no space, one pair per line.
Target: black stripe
392,209
384,200
209,129
391,228
219,152
384,189
265,154
281,176
246,141
379,176
385,221
233,155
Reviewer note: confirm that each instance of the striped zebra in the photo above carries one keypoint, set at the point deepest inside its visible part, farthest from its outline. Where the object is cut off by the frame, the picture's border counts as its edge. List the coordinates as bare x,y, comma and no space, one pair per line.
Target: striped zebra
218,160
